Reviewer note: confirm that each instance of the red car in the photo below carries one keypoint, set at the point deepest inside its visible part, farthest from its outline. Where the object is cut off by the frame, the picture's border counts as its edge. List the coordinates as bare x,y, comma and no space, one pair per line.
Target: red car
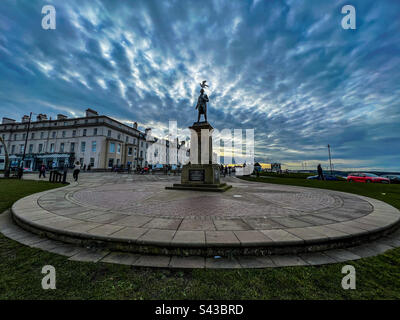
366,177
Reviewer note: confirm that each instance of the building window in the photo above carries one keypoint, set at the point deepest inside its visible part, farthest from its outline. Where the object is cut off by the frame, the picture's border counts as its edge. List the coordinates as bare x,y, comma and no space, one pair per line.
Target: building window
15,136
95,131
40,147
84,132
141,144
93,146
32,135
13,149
109,133
62,147
112,147
63,134
1,149
83,146
110,163
92,162
74,133
52,147
119,148
86,121
130,151
31,148
23,136
141,154
119,136
41,135
126,139
54,134
72,148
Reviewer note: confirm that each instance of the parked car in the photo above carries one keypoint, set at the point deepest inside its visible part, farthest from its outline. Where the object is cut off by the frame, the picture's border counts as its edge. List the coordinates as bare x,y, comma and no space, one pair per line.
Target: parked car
327,177
366,177
392,177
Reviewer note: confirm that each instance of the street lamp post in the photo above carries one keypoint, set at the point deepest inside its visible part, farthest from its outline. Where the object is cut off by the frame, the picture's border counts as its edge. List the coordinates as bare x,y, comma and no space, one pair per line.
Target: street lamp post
330,160
21,169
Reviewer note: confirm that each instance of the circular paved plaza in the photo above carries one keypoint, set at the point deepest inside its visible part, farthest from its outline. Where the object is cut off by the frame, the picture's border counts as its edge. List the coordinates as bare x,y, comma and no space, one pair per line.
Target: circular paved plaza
136,214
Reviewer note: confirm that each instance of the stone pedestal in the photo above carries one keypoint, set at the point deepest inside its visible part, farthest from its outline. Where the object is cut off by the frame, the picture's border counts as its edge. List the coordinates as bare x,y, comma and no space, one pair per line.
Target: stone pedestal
201,173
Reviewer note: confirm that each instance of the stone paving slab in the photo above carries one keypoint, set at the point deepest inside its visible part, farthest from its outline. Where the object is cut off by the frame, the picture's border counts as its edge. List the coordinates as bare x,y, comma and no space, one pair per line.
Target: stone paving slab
309,234
121,258
221,238
105,230
288,260
187,262
192,238
197,225
130,233
152,261
255,262
157,237
86,255
251,238
67,250
342,255
317,258
222,263
282,237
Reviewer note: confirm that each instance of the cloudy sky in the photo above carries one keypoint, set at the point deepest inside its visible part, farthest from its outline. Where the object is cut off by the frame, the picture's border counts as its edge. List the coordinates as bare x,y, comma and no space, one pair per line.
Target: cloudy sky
284,67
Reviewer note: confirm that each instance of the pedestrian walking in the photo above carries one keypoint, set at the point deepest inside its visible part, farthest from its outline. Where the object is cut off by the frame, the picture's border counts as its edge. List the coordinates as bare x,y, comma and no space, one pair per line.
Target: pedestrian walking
77,169
320,173
42,171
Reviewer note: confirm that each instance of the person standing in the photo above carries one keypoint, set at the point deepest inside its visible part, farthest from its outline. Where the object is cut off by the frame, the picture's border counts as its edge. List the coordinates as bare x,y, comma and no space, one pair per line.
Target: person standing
320,173
42,171
77,169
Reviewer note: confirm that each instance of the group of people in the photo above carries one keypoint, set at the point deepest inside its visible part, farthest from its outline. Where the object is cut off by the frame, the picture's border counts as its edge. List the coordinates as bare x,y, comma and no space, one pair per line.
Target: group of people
75,174
226,170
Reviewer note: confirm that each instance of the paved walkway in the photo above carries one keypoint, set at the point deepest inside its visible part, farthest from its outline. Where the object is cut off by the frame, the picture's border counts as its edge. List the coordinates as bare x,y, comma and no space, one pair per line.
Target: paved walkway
138,211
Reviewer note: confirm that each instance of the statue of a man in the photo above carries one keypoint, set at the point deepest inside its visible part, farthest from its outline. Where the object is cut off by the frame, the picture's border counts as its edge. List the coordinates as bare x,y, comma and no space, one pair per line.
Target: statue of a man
202,105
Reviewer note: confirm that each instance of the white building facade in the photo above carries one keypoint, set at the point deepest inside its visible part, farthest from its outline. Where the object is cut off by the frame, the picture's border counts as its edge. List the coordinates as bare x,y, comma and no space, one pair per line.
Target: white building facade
95,140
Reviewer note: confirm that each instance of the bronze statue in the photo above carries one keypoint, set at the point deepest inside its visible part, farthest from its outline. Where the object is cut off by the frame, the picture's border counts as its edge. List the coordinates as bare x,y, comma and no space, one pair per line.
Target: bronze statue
202,102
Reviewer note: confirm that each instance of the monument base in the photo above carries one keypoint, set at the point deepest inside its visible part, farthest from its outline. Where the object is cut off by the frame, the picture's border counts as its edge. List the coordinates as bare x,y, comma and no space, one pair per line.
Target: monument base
200,177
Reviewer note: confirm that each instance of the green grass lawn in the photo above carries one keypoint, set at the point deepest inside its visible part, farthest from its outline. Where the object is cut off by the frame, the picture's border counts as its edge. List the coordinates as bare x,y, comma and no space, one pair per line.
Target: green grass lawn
377,277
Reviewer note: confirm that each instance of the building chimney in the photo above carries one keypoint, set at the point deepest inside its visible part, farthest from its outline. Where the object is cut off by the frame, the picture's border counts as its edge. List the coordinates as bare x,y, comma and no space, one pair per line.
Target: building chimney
134,125
61,116
41,117
91,113
25,118
7,120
